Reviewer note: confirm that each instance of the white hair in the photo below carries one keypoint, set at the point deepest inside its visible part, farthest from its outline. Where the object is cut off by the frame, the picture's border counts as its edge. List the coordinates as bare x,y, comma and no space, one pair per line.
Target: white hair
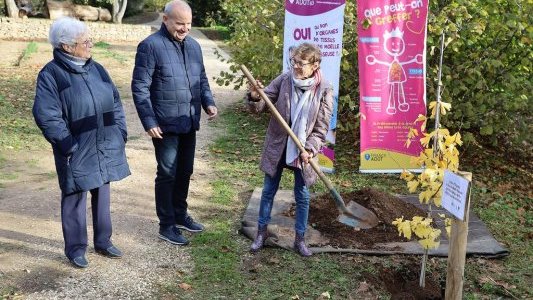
176,3
65,31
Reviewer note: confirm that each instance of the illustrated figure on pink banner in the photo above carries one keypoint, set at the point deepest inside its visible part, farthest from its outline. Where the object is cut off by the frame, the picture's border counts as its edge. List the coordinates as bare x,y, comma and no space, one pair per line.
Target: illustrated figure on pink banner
394,45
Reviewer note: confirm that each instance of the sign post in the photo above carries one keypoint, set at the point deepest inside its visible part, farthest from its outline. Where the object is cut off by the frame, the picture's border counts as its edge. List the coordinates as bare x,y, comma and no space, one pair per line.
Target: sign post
456,200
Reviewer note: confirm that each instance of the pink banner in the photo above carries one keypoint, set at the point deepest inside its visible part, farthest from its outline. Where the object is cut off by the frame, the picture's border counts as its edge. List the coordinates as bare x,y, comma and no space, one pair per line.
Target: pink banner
319,22
392,43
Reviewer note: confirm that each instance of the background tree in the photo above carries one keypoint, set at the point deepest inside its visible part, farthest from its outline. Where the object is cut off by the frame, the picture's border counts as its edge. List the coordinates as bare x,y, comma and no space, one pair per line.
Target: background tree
119,8
11,8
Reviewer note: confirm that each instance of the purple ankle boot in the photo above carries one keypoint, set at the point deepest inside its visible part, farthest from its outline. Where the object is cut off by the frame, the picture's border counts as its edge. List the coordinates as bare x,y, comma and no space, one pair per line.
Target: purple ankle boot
259,241
300,247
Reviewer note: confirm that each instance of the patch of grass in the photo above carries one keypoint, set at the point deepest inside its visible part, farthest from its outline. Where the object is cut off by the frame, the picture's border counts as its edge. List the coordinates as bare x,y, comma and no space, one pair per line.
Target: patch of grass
223,194
103,48
28,51
510,220
16,120
9,292
101,45
214,254
32,162
8,176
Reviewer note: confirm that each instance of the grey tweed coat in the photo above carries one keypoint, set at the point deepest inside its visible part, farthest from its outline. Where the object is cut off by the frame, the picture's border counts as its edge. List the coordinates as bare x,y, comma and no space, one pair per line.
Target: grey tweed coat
279,92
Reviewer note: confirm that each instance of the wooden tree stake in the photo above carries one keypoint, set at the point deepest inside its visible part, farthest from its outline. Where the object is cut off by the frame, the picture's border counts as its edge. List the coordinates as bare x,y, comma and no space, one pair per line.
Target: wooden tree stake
457,251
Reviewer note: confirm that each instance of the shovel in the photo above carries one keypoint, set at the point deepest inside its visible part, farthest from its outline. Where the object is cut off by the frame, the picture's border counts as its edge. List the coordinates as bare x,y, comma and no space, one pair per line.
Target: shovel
353,214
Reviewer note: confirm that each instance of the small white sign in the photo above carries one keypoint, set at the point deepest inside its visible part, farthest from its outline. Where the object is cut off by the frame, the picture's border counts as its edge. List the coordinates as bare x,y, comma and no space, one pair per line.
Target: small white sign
455,194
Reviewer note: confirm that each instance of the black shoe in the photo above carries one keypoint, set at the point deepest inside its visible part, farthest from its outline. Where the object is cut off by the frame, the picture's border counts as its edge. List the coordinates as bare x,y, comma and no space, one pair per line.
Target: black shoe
111,252
79,262
172,235
189,225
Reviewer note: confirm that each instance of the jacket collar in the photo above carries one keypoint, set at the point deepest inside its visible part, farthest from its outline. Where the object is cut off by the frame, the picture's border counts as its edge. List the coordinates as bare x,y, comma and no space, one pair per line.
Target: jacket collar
64,62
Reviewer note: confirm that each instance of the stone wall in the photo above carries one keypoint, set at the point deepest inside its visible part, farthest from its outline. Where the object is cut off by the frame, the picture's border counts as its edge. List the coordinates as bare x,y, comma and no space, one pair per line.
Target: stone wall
37,29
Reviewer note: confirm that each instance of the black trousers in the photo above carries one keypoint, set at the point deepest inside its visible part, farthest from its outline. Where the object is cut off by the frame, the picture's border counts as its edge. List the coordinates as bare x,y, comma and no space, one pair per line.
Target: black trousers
175,160
74,223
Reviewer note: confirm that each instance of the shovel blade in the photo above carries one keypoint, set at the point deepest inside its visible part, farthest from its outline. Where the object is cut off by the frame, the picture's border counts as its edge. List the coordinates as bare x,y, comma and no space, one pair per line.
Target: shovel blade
358,216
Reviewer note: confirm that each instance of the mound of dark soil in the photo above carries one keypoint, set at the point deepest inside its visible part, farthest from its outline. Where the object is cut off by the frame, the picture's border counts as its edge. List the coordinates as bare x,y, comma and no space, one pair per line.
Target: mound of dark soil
402,282
323,214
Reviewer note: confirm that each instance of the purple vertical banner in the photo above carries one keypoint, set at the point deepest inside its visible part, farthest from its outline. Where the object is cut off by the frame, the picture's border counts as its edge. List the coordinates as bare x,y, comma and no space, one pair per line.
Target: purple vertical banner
392,77
321,23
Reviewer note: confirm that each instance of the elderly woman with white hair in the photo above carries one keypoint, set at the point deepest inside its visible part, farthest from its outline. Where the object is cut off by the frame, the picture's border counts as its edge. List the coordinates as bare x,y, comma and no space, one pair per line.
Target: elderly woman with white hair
78,109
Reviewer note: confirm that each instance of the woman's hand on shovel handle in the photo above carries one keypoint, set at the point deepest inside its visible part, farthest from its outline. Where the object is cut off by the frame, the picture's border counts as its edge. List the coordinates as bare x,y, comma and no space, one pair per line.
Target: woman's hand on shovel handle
306,156
254,93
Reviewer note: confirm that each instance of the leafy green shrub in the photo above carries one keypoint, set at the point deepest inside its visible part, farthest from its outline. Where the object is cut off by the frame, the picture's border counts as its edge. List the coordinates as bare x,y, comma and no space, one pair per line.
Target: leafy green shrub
155,5
257,39
208,13
487,61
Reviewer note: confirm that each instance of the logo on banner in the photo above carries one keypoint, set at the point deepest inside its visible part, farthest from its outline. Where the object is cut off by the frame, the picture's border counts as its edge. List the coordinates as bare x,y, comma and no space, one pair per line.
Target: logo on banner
374,156
302,2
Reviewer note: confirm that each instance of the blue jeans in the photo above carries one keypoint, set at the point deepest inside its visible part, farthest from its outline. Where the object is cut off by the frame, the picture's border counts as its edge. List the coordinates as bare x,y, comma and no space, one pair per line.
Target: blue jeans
301,195
174,154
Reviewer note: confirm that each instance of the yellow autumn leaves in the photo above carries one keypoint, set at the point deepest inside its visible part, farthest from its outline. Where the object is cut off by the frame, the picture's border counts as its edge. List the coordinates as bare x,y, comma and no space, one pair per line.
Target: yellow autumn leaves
440,153
421,227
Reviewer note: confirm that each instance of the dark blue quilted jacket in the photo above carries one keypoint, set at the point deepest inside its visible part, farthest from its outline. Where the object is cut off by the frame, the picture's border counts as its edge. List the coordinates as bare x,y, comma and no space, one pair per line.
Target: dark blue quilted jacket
80,113
169,91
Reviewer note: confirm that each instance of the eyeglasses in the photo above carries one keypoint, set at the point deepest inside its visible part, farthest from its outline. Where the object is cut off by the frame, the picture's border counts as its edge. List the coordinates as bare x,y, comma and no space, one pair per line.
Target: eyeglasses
298,63
86,43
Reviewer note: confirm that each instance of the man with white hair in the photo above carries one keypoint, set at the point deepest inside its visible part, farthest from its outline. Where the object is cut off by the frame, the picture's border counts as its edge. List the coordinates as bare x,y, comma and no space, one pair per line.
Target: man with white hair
169,89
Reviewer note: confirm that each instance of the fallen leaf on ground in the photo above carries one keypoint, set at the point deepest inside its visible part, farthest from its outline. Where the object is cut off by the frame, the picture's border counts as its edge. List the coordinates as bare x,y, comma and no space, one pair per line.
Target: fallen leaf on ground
184,286
503,284
273,260
363,287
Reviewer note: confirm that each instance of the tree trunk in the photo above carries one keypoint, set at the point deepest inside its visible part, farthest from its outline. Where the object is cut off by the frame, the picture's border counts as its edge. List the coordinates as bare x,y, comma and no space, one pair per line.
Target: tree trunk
58,9
119,8
11,9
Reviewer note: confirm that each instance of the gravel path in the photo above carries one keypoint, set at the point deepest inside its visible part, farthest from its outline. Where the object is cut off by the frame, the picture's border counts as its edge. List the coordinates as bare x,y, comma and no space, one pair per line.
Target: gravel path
31,244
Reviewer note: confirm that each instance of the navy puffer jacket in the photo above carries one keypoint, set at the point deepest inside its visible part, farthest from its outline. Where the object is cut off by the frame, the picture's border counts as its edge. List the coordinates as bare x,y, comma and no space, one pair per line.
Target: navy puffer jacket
169,91
79,111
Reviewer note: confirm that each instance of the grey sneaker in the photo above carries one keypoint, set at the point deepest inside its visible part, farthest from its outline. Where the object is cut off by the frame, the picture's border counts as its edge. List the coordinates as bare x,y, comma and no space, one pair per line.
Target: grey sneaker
189,225
172,235
111,252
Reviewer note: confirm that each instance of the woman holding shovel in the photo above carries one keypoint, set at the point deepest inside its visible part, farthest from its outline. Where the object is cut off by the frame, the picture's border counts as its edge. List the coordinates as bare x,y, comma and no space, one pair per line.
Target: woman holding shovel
305,102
